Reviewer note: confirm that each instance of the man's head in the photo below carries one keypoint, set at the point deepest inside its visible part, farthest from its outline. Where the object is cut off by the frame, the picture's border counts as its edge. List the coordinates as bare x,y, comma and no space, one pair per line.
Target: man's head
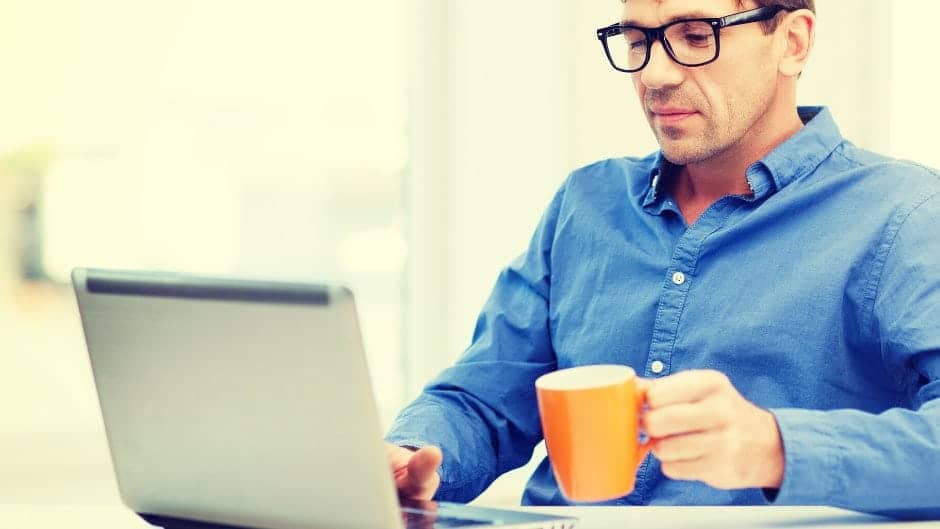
698,113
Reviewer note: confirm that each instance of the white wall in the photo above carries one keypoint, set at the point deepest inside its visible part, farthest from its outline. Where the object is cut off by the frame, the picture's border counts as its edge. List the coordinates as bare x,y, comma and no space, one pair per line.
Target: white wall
849,69
507,121
914,77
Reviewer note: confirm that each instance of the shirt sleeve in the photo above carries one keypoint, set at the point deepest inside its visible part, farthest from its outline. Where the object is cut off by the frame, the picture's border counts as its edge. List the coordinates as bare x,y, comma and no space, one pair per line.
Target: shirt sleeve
884,463
482,411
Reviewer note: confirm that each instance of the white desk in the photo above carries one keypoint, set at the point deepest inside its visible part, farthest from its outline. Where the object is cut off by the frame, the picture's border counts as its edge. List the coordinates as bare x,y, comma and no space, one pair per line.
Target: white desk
39,516
67,483
726,518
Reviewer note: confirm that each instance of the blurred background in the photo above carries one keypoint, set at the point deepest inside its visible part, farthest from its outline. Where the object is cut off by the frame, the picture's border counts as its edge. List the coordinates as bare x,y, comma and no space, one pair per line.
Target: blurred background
405,147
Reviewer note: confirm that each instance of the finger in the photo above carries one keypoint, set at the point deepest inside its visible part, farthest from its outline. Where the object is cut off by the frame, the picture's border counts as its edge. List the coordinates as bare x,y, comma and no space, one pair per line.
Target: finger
685,387
676,419
398,456
692,469
685,447
420,480
424,463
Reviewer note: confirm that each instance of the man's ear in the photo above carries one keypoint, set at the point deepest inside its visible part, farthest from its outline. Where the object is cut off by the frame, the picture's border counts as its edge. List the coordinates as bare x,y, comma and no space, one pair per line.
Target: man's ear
796,32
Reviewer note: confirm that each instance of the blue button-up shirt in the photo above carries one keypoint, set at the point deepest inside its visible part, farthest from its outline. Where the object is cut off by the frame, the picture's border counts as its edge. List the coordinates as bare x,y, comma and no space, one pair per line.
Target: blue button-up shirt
818,295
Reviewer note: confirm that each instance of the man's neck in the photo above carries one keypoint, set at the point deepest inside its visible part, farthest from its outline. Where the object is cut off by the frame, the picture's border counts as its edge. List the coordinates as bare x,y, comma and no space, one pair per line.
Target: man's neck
698,185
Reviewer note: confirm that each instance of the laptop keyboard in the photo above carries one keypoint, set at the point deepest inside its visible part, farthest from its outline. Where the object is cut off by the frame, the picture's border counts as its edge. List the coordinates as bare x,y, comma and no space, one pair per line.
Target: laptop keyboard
418,519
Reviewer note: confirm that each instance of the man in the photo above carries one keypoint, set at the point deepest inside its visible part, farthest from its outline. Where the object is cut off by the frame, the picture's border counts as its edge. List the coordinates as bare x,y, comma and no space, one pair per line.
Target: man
777,288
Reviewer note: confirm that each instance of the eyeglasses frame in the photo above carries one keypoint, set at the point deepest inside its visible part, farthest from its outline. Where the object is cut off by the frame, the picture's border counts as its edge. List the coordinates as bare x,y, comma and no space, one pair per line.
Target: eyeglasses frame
653,34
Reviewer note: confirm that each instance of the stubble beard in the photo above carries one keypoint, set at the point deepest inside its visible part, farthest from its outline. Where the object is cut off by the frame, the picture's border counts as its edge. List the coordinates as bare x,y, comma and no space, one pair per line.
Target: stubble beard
679,145
682,147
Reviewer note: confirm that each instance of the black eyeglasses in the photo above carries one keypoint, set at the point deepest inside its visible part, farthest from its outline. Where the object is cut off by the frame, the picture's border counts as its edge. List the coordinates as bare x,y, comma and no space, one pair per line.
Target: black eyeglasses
689,42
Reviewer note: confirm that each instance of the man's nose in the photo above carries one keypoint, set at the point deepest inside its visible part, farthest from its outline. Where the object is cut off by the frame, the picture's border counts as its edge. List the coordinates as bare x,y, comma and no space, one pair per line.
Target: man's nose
661,71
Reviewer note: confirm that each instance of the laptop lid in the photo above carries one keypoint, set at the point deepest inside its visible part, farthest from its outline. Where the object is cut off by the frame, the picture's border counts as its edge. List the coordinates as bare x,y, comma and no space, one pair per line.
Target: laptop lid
242,402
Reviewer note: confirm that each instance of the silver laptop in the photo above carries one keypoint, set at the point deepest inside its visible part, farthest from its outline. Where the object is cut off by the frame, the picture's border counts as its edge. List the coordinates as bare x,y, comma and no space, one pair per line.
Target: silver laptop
247,404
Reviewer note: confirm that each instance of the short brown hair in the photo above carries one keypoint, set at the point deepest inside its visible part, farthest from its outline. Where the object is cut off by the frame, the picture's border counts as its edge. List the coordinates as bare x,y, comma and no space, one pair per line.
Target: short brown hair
792,5
770,25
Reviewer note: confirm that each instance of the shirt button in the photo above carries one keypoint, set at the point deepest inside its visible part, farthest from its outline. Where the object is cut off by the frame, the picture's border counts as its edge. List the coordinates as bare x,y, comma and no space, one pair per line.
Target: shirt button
657,367
678,278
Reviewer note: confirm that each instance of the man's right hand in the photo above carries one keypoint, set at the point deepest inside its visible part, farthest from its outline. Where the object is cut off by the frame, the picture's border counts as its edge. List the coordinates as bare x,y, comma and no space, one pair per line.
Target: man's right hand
415,472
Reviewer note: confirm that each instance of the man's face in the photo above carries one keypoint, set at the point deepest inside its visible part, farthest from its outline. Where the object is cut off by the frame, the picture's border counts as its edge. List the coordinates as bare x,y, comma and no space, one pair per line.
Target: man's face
697,113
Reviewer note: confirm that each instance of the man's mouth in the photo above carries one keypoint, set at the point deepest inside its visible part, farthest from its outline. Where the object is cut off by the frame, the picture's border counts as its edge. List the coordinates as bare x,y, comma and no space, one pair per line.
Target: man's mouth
671,115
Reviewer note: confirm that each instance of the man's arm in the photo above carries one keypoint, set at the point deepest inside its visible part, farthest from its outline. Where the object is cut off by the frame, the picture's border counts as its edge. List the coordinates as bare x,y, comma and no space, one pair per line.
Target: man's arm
884,463
481,412
889,462
704,430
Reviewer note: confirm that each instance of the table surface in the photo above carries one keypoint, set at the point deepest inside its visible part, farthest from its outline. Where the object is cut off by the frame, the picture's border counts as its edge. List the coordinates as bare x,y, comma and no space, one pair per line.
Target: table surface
36,516
726,518
66,482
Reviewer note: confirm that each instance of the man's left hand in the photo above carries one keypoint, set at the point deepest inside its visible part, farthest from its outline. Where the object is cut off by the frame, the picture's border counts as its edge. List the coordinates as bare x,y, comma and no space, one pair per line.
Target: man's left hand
704,430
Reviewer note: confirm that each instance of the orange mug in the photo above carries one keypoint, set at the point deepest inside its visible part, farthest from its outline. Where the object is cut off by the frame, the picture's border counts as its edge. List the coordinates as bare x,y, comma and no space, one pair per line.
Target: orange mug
590,419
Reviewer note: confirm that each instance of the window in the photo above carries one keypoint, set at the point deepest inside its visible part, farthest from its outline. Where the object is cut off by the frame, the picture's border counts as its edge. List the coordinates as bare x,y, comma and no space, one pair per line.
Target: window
248,138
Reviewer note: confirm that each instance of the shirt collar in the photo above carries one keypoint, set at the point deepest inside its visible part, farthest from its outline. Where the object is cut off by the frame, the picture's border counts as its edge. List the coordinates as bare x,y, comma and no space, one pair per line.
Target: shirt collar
801,153
796,157
658,176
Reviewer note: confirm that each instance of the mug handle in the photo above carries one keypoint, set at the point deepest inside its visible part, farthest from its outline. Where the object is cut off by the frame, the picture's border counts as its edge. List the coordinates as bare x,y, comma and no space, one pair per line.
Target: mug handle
643,449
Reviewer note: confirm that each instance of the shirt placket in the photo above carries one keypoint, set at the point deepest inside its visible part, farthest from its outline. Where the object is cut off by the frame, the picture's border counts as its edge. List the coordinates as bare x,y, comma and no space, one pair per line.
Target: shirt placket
678,280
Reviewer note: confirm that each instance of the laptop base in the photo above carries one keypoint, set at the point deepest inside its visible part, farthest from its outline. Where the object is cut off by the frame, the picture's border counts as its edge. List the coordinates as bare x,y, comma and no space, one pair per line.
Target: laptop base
167,522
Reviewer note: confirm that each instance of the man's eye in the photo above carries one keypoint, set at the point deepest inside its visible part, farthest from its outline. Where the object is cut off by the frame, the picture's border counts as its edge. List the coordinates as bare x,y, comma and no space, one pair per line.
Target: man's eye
698,39
637,45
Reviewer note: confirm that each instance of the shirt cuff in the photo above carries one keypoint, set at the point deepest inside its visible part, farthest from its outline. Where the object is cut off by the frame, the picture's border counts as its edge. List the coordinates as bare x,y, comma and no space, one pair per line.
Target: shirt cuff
814,472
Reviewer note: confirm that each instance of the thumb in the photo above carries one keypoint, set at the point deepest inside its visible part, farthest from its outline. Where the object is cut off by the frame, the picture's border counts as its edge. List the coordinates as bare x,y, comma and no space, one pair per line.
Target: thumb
422,477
